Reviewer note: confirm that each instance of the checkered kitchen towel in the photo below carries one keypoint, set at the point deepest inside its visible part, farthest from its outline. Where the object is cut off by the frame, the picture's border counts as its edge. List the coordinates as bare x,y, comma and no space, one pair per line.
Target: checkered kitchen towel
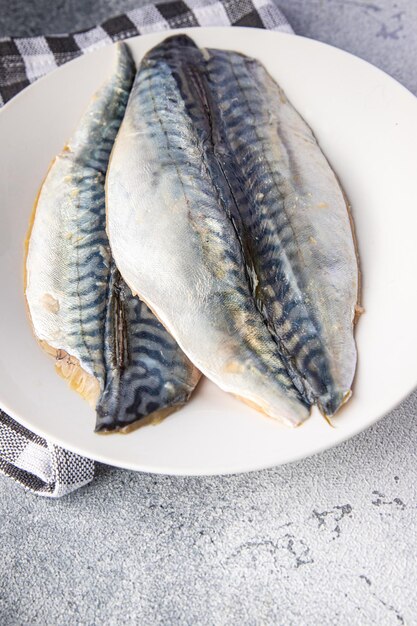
24,60
38,465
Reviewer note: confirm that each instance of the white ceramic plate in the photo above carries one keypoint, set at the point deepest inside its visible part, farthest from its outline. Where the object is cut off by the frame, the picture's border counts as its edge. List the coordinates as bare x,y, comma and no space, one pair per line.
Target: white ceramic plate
366,124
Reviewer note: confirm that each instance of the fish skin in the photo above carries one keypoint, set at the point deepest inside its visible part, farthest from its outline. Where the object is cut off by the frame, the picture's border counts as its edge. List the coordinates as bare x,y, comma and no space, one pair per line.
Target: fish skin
174,242
147,375
293,216
107,343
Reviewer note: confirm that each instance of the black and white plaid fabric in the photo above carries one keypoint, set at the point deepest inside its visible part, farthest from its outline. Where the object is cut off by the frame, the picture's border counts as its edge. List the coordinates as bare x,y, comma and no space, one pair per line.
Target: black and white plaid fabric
24,60
38,465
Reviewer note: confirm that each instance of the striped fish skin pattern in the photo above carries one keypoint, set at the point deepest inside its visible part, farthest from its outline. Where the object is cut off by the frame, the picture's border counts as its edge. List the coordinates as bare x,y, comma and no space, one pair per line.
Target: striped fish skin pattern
293,220
147,375
169,216
107,342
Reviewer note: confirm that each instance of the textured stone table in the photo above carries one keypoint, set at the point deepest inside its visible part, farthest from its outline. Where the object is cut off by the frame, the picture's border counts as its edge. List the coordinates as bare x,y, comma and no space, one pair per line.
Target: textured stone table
330,540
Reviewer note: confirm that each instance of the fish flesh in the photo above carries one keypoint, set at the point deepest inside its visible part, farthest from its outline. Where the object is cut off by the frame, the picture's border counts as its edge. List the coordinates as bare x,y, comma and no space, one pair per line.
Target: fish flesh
106,342
174,237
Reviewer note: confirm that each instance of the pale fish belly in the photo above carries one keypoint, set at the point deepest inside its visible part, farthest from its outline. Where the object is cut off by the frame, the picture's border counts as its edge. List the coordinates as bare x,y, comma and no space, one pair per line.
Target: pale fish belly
106,342
170,224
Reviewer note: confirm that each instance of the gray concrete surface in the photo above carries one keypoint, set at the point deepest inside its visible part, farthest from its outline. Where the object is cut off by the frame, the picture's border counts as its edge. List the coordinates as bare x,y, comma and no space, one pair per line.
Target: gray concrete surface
331,540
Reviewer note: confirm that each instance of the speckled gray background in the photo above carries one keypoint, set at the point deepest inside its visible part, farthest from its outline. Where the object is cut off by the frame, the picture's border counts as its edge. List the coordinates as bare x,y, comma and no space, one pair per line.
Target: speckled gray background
330,540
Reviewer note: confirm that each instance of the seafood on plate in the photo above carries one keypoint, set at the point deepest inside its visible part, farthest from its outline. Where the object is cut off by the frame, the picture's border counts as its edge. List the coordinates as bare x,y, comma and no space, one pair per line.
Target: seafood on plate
106,342
226,218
